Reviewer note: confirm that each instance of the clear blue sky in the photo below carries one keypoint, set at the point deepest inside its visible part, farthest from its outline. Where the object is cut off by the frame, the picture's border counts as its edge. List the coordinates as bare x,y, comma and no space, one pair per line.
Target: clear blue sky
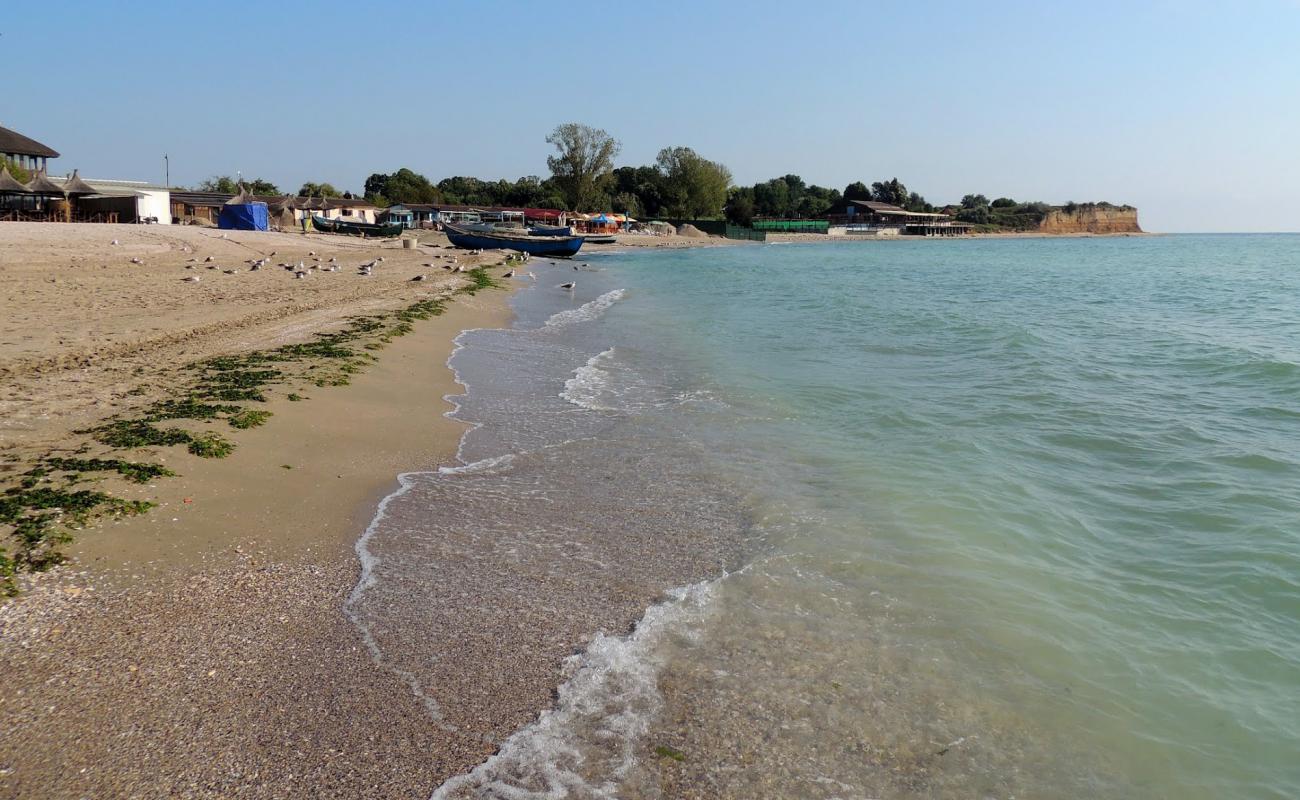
1188,109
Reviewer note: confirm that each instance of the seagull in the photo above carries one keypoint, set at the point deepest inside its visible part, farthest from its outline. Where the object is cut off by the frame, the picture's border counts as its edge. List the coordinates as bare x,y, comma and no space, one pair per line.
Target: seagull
225,236
209,258
136,260
228,271
531,275
268,255
115,243
300,274
509,274
418,278
189,266
311,253
333,259
569,285
255,267
193,279
193,261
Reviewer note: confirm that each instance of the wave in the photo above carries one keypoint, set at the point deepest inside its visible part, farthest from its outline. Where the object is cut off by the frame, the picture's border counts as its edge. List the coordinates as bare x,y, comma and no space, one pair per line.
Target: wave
586,312
589,382
586,744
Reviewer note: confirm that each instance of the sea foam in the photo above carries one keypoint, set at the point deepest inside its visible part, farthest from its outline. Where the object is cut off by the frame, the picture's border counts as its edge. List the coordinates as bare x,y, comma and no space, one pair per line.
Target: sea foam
588,311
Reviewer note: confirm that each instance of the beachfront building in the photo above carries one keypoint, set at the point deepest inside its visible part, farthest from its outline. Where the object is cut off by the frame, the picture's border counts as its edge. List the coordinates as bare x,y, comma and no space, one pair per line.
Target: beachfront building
74,199
25,151
870,218
397,215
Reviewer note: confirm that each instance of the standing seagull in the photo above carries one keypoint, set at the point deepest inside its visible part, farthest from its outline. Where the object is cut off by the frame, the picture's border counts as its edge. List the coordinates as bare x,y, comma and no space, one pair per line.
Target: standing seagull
569,285
418,278
509,274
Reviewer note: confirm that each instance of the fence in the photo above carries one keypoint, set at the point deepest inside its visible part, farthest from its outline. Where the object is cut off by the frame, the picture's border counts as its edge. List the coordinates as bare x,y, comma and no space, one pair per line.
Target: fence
737,232
792,225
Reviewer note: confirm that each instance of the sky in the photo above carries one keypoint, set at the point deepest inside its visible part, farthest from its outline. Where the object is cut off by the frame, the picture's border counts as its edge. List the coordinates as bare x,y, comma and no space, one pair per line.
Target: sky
1188,110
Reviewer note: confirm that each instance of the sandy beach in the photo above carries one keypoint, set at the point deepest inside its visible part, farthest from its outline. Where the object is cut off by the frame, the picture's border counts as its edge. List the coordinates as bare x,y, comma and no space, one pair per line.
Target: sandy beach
201,649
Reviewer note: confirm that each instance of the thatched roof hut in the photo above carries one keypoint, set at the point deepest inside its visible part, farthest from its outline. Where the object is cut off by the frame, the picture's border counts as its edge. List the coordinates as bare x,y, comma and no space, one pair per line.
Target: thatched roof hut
41,184
76,186
9,184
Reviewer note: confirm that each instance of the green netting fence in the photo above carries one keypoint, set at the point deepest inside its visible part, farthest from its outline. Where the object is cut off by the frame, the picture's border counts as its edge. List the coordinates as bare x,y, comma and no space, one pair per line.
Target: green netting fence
791,225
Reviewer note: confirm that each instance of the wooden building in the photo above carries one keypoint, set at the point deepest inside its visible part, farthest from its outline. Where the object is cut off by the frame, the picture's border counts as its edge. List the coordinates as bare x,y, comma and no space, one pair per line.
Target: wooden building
883,219
25,152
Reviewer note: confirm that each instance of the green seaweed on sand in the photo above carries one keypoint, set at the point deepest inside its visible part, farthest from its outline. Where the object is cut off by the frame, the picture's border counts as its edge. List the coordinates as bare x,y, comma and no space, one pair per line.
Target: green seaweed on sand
248,418
40,516
134,471
664,751
211,445
45,501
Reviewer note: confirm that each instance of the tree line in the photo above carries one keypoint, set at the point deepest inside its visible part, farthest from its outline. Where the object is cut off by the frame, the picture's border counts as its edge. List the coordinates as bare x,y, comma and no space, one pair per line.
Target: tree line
679,184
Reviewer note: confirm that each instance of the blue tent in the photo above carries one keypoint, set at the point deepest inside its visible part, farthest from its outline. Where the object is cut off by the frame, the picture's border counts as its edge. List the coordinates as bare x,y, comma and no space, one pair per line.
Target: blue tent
240,213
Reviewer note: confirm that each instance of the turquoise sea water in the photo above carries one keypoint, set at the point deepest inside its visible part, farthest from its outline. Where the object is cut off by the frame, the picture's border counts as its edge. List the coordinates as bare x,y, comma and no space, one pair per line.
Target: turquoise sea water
1024,519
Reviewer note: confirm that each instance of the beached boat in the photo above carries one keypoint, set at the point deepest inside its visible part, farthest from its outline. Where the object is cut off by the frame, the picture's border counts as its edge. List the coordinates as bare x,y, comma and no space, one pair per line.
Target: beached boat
551,230
599,238
556,246
356,228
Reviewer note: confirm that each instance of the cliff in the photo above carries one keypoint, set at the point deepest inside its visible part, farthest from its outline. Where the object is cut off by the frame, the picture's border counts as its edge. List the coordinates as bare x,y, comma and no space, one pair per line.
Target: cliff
1090,219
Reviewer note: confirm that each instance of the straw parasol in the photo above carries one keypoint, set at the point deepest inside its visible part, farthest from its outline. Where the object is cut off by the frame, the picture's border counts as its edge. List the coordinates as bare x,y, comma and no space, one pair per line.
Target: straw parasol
9,184
76,186
41,184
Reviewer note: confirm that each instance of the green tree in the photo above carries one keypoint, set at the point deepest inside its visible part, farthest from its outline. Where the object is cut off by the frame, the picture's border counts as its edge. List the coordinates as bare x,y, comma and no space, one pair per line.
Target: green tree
698,186
228,185
857,191
318,190
1002,202
740,207
892,191
19,174
583,163
403,186
974,201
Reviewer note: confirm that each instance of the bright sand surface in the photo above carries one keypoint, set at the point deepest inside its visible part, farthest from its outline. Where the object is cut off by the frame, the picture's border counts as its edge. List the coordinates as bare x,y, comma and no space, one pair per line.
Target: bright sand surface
202,649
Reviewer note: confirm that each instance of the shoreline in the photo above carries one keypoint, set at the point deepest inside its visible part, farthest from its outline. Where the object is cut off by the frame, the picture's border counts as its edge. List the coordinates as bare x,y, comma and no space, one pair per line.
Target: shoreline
194,649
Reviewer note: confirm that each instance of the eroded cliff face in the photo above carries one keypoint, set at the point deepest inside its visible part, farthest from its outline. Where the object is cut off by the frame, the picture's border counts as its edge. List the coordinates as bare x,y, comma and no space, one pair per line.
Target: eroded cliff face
1091,219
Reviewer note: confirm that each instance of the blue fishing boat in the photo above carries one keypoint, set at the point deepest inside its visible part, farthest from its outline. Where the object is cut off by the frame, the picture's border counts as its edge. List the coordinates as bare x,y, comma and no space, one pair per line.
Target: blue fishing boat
555,246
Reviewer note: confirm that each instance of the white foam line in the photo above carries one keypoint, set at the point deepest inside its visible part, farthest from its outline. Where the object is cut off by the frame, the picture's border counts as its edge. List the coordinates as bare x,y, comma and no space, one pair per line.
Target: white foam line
611,668
368,562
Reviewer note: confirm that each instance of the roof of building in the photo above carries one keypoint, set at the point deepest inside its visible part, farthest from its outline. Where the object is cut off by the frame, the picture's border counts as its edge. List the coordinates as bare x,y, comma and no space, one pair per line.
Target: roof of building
208,199
8,183
889,209
75,185
41,184
14,142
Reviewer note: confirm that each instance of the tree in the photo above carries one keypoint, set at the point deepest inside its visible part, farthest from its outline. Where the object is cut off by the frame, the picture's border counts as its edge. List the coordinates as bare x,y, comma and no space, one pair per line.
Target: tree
227,185
740,207
318,190
974,201
891,191
857,191
403,186
698,187
585,159
1002,202
19,174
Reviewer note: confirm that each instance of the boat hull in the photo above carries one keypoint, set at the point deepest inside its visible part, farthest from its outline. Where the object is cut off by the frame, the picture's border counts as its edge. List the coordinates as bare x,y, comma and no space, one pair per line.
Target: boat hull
356,228
554,246
550,230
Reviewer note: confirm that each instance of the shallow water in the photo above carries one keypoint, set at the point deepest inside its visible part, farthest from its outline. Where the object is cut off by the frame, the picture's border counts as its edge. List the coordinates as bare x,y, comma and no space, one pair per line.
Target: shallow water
1001,518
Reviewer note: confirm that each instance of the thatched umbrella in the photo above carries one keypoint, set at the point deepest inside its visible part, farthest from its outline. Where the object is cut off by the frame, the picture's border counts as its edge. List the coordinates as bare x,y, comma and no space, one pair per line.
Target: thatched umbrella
76,186
9,184
41,184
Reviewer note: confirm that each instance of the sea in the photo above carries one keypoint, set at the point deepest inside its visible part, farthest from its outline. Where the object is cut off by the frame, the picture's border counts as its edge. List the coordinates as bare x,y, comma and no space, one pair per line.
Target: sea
986,518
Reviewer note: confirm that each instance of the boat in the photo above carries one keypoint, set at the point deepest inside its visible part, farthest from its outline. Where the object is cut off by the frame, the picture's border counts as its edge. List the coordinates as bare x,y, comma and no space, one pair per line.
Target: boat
551,230
356,228
599,238
556,246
